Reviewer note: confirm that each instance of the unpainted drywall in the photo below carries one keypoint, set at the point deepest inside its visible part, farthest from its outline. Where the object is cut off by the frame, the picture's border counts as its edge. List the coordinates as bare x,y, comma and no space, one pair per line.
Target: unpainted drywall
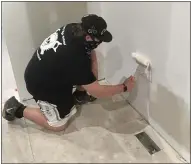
27,24
160,31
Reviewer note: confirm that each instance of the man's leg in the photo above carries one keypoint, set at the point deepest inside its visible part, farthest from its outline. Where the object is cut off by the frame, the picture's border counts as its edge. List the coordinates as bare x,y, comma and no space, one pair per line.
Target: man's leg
14,109
35,115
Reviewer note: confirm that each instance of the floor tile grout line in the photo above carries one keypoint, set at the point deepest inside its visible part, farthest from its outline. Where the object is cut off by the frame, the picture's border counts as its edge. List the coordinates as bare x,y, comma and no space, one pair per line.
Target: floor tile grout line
29,141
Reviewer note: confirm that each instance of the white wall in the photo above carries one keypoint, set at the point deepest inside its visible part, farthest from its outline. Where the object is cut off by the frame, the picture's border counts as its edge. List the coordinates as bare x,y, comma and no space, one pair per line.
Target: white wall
160,31
8,80
27,24
95,8
18,38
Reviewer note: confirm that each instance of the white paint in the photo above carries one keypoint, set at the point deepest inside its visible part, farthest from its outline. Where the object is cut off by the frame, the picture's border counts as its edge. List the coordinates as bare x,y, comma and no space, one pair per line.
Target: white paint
95,8
53,16
159,30
177,72
141,59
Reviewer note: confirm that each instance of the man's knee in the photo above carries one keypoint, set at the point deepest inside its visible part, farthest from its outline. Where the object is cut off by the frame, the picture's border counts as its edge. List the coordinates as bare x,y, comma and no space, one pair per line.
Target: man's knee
57,128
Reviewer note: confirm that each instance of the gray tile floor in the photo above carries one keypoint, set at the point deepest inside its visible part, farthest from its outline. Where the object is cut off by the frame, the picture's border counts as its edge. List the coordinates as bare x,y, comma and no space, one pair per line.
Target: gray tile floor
100,132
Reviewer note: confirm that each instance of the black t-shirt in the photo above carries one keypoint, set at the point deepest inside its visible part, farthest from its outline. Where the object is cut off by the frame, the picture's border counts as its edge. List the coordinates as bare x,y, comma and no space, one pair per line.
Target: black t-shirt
59,63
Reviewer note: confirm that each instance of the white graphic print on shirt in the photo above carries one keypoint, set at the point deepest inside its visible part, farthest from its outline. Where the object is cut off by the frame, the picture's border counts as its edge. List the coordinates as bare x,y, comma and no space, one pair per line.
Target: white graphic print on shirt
63,37
49,43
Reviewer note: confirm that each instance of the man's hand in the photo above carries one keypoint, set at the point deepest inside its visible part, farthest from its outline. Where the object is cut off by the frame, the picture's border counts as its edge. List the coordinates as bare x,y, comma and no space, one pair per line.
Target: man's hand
101,91
130,83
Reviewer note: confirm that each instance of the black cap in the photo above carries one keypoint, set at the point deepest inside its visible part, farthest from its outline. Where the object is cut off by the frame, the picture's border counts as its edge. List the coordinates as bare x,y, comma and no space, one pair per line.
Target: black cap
97,27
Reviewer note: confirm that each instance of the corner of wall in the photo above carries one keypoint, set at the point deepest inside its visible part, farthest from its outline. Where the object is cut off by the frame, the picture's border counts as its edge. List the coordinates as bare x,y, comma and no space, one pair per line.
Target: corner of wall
174,144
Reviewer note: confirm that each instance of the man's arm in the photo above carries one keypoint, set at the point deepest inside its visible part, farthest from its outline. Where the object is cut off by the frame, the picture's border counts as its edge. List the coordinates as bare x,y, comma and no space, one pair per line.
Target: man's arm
94,64
101,91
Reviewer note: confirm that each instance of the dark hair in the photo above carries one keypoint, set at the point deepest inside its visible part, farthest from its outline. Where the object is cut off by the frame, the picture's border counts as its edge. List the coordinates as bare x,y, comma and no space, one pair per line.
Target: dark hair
77,30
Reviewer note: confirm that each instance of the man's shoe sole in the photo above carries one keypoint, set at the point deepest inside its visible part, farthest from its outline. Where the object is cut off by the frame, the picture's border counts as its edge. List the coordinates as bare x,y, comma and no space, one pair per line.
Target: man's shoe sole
6,116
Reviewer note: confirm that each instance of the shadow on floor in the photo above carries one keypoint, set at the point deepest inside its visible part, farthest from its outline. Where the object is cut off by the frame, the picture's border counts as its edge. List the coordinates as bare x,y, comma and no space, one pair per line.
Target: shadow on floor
116,117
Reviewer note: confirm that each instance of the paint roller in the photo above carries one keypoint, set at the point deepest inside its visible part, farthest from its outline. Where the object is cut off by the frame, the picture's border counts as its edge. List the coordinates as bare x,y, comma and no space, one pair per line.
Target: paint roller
146,63
143,61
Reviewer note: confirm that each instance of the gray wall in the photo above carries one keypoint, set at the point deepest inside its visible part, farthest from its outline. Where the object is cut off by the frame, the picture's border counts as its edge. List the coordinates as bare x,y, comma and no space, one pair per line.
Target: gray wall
160,31
27,24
